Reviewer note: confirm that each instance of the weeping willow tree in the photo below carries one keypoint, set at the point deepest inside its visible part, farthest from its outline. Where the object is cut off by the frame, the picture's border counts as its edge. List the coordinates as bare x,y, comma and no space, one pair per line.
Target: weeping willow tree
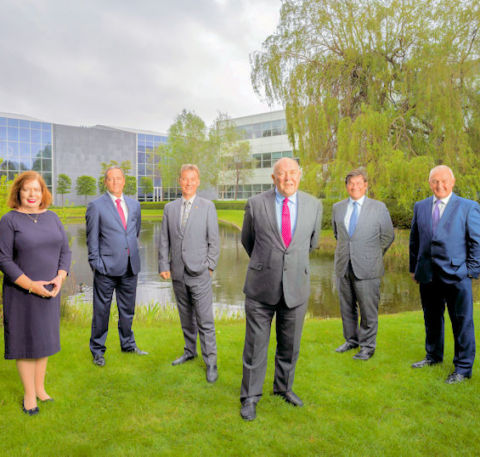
391,85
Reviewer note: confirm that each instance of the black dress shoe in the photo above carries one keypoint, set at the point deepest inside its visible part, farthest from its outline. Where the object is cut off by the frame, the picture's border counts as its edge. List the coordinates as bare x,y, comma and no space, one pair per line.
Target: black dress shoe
99,360
249,409
364,354
30,412
455,378
135,350
424,363
290,397
346,347
212,373
182,359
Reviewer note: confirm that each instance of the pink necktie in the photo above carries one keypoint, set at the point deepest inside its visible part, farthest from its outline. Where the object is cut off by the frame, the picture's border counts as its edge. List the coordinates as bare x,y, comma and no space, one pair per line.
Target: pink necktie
286,229
121,213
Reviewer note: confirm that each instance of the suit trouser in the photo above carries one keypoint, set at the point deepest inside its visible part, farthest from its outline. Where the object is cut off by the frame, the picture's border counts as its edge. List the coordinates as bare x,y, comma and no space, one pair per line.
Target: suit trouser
366,294
459,300
289,325
125,288
194,303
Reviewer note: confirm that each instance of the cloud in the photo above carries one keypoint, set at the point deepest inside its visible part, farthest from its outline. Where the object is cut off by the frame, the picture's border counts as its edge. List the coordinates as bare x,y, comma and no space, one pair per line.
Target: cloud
133,64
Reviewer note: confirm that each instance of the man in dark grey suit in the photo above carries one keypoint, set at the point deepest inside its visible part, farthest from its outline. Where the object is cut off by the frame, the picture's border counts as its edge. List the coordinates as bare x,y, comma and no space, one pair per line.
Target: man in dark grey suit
188,254
113,226
280,228
364,232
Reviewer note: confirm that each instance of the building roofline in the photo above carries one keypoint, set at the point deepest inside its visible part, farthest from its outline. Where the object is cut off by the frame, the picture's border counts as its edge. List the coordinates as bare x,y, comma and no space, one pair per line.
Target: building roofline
21,116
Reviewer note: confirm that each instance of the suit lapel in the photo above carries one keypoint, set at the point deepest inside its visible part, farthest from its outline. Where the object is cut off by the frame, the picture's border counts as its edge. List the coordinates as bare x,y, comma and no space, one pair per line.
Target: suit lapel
113,209
272,215
447,212
130,209
364,213
193,213
176,207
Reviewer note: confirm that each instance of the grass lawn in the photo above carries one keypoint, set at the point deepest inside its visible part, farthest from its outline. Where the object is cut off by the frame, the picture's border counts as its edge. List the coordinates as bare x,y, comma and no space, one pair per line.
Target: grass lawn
142,406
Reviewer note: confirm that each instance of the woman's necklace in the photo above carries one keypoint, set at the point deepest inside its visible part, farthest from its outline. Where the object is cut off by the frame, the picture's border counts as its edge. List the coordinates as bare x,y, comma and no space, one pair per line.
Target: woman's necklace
34,219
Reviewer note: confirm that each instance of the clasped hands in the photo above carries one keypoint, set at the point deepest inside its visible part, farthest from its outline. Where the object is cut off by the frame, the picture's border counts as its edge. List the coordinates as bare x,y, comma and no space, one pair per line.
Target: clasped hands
38,287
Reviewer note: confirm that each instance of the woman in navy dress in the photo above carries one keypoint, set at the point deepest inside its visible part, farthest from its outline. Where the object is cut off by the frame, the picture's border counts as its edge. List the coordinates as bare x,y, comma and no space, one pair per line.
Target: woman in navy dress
35,259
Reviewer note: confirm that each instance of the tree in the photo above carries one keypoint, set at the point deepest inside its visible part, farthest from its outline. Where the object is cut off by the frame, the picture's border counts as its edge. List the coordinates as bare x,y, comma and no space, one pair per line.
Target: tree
187,143
85,185
146,185
64,185
130,185
376,82
236,164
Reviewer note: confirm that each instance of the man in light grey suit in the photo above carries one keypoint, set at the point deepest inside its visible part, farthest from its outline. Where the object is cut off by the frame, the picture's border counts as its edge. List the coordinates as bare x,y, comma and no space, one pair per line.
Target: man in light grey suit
364,232
280,228
113,227
188,254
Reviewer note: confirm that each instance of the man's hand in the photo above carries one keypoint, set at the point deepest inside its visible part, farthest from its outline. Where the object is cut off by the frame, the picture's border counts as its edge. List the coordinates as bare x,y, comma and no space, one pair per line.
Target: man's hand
211,272
413,277
165,274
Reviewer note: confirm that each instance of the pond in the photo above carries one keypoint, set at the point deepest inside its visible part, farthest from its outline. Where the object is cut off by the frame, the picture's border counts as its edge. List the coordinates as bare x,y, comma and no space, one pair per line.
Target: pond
399,292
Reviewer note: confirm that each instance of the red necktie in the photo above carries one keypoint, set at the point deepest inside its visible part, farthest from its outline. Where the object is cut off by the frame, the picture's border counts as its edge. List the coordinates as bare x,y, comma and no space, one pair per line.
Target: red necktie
121,213
286,229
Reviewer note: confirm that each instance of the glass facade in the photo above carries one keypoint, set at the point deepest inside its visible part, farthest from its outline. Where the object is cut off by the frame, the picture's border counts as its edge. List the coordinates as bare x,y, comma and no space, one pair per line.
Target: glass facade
26,145
267,159
147,164
244,191
263,129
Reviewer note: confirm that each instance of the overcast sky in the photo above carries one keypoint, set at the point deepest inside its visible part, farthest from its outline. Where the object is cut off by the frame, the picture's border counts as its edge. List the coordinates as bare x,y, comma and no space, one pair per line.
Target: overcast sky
131,63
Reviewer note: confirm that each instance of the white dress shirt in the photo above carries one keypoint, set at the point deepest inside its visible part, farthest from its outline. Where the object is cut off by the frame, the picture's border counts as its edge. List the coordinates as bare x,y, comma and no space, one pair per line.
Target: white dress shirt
441,206
122,204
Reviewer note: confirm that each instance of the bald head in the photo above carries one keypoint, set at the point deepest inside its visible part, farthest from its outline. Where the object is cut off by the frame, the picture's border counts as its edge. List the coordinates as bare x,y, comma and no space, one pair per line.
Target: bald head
286,176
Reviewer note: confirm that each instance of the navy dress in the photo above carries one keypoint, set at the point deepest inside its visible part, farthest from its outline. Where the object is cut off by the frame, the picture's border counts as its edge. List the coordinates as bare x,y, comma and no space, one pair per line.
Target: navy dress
38,250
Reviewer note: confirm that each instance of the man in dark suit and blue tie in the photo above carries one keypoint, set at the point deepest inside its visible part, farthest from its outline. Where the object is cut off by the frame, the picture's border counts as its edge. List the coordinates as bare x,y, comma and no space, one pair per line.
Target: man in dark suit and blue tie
444,257
280,228
113,227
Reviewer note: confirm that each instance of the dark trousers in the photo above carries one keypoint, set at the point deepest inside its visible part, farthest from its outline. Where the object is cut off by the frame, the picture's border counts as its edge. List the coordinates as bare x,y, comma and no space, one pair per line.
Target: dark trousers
289,325
364,295
459,301
125,288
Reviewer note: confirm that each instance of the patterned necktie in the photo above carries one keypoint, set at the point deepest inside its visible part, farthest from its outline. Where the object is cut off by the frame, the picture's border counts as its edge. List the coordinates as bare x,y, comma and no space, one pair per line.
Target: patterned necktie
186,211
286,228
436,215
353,220
121,213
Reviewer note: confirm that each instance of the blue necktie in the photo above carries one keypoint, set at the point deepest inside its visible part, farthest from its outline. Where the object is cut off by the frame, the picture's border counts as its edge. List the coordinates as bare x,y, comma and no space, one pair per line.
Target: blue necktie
353,219
436,215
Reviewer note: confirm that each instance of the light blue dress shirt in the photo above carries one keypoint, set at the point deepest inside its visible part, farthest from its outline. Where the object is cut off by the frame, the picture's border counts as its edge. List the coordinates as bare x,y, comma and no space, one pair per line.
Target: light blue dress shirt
349,212
292,206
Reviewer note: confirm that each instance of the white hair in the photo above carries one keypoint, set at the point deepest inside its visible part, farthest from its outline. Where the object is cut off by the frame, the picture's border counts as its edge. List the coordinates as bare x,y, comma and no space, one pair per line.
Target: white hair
438,168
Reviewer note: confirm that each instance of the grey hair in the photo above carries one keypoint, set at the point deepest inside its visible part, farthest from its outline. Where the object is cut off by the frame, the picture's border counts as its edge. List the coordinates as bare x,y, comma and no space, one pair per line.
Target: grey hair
113,167
438,168
275,165
189,166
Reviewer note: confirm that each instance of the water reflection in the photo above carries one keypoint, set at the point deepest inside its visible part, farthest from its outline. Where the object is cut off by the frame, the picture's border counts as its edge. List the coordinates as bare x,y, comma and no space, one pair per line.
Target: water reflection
399,292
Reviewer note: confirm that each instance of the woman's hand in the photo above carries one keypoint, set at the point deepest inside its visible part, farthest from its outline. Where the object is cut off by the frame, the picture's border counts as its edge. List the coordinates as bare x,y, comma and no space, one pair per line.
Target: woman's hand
57,282
38,288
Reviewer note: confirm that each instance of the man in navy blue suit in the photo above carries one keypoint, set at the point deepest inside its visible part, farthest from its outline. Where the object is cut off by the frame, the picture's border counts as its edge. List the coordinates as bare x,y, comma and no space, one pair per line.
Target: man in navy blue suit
444,257
113,226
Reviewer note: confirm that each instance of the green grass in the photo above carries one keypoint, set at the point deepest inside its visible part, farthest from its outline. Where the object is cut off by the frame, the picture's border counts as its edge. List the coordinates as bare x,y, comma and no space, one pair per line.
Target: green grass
143,406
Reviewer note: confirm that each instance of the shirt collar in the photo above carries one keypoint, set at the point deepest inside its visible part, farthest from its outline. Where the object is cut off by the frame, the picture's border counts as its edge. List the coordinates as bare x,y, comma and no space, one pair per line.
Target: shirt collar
115,198
360,201
444,200
189,200
279,197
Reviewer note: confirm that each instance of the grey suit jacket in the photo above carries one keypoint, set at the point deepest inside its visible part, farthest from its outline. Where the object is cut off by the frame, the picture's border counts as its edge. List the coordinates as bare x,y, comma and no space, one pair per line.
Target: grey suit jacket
109,244
372,237
196,250
275,270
